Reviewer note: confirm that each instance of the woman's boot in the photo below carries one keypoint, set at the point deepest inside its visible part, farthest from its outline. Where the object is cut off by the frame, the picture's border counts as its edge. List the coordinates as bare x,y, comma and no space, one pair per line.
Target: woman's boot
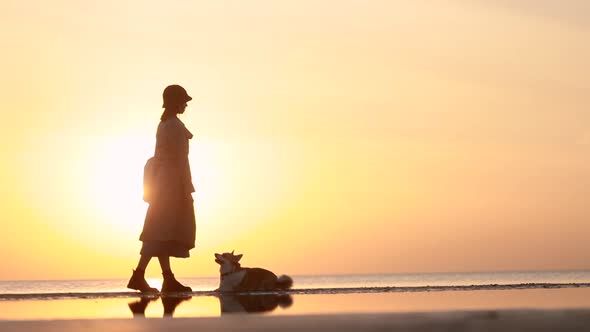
139,283
172,285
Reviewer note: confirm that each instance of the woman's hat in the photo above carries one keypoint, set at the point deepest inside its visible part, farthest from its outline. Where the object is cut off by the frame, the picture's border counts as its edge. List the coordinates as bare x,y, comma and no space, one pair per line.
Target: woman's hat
175,95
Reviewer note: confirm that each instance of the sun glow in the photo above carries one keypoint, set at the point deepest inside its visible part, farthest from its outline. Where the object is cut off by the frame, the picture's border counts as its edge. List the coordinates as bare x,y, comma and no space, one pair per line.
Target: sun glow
386,131
113,176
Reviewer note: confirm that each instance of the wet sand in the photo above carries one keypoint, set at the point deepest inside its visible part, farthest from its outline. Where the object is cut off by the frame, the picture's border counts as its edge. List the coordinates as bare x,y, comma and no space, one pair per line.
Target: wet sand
514,320
565,309
298,304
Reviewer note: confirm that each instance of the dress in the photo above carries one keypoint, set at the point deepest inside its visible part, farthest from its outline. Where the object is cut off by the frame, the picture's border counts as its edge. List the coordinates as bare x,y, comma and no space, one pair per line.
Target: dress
170,228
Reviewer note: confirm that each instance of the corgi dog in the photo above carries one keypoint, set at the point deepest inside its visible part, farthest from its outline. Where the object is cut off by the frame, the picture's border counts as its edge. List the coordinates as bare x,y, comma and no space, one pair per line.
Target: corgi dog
235,278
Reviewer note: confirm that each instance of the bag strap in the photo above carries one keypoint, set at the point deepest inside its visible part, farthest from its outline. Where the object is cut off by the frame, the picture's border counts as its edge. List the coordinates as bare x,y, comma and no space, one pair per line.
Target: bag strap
156,144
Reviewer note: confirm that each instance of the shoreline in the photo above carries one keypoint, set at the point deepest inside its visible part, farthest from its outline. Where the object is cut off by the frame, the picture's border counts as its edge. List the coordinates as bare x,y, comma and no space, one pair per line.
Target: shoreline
483,320
303,291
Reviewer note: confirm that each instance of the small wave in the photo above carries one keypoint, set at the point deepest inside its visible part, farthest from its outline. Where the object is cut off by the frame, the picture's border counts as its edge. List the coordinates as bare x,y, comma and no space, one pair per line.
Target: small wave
303,291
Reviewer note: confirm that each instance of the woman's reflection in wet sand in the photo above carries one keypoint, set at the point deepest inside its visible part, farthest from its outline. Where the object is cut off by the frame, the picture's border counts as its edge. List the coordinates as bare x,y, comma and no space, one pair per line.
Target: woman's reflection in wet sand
229,303
138,307
169,302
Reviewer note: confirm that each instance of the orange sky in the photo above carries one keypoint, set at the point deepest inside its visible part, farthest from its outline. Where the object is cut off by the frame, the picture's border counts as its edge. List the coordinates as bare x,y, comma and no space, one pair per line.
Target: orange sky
330,137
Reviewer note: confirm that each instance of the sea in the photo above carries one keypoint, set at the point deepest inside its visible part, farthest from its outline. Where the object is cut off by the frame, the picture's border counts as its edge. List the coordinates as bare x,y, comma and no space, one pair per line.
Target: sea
317,284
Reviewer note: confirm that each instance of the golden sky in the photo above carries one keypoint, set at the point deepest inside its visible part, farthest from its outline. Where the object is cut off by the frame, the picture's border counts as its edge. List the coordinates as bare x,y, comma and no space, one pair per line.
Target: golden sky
330,136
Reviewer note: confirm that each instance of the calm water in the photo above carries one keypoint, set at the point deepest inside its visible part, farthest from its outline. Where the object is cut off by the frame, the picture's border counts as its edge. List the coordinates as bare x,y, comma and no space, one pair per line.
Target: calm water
317,284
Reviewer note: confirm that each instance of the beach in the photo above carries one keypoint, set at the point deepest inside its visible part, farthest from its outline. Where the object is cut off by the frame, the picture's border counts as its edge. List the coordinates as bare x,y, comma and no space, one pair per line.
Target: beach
383,165
563,308
515,320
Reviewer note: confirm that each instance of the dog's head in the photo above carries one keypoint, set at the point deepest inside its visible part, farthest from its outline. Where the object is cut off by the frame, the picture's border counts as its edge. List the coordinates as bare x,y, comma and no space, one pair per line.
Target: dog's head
228,261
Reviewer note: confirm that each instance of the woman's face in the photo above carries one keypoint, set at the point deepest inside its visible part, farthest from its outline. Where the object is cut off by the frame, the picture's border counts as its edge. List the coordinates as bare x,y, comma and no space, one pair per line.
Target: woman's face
181,108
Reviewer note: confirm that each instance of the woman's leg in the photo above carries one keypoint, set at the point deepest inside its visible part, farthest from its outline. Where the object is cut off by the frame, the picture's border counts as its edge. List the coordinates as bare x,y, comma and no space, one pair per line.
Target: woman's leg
137,280
165,263
143,262
170,283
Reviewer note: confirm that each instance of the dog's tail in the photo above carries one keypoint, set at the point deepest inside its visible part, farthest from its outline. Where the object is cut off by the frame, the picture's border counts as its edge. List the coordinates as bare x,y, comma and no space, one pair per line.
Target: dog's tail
284,282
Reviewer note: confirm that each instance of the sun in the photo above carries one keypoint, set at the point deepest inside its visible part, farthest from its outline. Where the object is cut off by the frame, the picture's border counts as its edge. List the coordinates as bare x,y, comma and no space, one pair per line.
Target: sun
229,199
114,182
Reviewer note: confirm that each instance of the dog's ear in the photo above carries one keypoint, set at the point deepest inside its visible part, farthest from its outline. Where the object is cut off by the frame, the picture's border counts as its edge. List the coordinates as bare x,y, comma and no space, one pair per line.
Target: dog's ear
238,257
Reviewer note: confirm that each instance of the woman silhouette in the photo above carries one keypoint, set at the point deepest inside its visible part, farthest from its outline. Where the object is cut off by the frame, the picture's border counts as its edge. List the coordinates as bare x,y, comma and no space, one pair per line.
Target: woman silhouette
169,227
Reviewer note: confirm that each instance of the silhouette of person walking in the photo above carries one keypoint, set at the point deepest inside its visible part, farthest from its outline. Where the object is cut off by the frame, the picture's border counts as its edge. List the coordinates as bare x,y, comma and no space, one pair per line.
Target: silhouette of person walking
169,227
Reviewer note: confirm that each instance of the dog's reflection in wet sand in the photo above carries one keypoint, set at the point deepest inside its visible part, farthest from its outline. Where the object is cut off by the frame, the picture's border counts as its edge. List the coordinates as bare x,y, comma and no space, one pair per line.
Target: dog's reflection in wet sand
253,303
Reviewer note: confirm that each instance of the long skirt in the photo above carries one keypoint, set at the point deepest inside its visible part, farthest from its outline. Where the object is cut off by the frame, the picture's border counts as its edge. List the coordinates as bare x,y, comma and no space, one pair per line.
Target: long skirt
169,228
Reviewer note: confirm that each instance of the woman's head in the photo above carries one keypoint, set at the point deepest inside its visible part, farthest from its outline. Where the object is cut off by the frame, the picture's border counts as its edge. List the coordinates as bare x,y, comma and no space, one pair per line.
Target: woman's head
175,98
